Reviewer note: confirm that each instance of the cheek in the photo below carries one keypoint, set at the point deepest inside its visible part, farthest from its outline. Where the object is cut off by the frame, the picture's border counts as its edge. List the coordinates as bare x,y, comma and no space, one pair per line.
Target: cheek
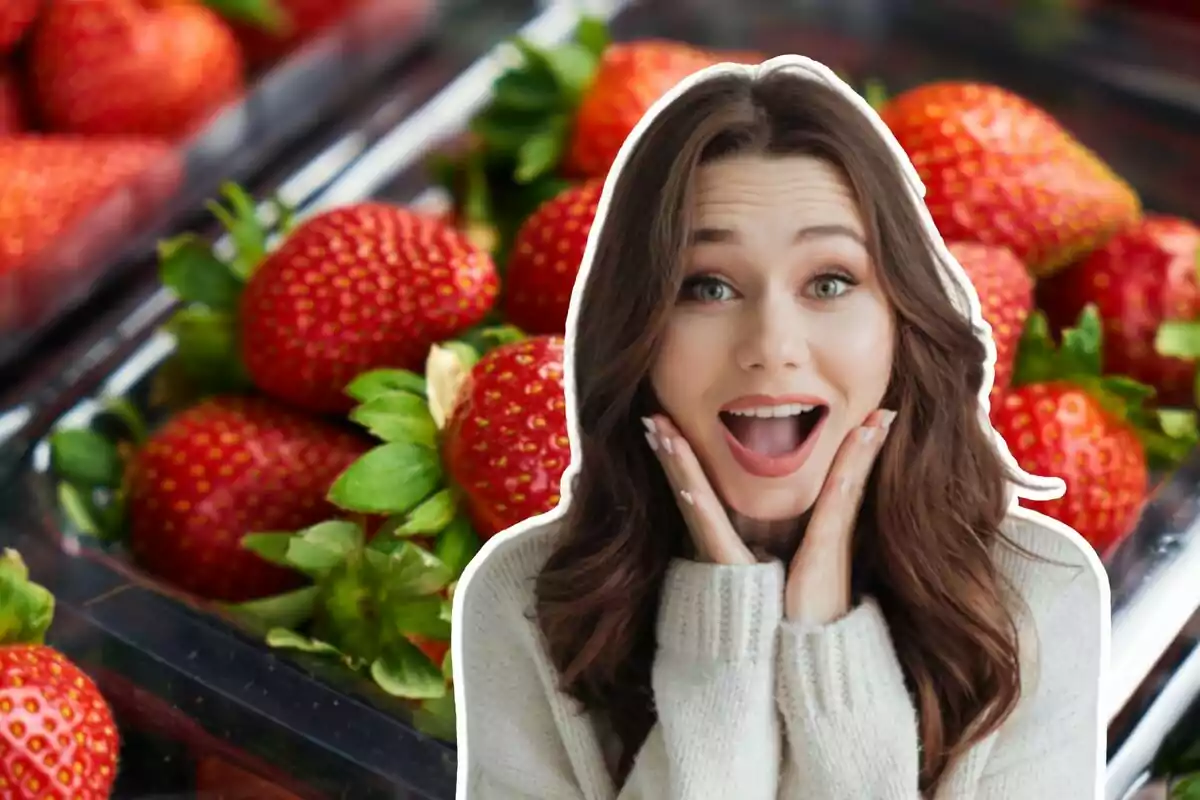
857,347
687,358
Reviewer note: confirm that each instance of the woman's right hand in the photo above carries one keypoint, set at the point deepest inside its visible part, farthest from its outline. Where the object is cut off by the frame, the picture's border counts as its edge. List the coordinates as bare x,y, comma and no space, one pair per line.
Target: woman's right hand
712,531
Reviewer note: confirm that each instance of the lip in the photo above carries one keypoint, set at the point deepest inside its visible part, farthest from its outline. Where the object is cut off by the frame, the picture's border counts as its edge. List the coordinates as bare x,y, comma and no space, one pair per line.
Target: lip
762,466
761,400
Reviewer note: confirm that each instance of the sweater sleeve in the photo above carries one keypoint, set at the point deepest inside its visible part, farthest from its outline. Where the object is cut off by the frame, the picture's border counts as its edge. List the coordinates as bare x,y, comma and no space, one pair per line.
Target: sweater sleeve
850,724
713,683
1053,744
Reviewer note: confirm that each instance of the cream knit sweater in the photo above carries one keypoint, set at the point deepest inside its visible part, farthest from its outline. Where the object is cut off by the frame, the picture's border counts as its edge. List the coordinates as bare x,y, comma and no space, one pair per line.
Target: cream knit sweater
752,707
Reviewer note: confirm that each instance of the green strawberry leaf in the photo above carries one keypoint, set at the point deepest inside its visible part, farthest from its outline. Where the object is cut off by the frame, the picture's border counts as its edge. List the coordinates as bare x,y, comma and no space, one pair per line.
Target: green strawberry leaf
26,608
86,459
266,15
435,717
457,545
430,516
420,616
1178,339
1186,788
390,479
527,91
592,34
123,409
188,267
286,639
104,521
317,550
369,385
875,93
398,417
404,671
412,571
287,611
272,547
542,151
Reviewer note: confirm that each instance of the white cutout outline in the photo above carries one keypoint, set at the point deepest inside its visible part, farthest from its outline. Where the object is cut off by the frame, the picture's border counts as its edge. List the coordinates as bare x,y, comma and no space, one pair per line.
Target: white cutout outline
1038,487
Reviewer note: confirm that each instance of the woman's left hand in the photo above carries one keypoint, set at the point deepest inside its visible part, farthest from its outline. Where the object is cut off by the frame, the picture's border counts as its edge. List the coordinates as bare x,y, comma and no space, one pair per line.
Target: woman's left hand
818,584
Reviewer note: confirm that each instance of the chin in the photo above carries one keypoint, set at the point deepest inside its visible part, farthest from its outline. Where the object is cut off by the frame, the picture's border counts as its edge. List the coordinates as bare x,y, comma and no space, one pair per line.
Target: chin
769,505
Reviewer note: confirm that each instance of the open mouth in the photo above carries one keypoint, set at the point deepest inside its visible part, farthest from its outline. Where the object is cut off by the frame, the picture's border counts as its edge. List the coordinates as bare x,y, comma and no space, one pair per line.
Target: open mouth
774,431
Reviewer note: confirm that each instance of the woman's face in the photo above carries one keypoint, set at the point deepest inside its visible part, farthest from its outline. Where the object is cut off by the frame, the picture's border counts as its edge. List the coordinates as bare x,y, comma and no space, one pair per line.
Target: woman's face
781,340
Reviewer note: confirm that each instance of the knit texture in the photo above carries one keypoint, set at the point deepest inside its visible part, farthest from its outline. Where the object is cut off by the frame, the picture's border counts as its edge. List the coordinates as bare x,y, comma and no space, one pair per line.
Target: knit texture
752,706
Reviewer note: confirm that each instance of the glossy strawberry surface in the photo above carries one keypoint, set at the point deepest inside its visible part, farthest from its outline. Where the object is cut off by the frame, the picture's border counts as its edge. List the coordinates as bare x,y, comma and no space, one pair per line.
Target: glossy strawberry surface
224,469
354,289
506,442
999,170
57,736
125,67
16,17
1058,429
545,260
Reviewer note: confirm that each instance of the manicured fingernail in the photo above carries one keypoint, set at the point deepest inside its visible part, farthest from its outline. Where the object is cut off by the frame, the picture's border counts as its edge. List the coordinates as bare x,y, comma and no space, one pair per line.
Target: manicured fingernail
867,435
844,486
888,418
652,441
687,497
649,423
666,443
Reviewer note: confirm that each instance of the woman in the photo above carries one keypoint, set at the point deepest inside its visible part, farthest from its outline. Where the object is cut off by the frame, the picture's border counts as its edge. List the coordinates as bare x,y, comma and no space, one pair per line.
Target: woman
789,564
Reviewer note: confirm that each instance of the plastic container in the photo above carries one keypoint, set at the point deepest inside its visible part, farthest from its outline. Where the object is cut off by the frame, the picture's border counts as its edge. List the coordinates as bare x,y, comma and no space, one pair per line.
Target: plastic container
280,106
1146,137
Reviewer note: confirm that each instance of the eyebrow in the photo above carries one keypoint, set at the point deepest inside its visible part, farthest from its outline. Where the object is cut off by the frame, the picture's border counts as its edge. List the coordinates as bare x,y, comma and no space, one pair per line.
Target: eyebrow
723,235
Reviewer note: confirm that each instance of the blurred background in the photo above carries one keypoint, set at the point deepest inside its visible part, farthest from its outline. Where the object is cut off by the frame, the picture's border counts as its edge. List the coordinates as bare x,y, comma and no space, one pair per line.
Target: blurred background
158,404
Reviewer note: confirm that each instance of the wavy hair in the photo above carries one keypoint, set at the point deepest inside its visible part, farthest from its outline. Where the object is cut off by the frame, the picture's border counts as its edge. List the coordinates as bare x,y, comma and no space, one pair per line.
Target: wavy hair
938,493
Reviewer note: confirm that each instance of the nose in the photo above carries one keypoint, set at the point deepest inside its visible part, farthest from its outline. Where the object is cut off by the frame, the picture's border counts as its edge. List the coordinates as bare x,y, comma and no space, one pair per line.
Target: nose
773,336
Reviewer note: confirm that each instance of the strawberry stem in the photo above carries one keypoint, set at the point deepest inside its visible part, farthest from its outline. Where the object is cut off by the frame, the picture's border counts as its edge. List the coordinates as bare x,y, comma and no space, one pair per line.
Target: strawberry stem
26,608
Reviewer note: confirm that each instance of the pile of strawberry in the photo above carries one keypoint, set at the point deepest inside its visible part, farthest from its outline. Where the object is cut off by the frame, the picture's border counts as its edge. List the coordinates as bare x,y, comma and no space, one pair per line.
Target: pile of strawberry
95,95
353,407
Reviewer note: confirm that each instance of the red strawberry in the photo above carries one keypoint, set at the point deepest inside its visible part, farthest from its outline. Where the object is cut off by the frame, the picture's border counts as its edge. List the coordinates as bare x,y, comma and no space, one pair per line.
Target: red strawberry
15,18
630,78
124,67
1142,277
51,186
1005,292
506,442
223,469
1062,420
999,170
302,21
13,119
545,259
355,289
57,736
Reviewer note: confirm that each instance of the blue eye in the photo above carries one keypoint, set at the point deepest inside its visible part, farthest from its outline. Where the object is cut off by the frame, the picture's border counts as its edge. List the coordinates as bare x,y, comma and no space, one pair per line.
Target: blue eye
829,287
705,289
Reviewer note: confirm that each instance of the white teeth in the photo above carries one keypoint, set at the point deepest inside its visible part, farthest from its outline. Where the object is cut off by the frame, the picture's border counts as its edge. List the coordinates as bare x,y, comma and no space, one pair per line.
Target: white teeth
786,410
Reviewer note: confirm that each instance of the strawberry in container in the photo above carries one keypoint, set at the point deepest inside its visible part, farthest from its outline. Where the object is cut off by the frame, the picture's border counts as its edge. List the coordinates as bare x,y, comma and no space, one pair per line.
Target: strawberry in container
57,735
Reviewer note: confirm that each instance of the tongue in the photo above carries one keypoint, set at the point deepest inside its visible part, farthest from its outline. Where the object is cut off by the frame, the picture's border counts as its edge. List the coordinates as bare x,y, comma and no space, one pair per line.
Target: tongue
772,436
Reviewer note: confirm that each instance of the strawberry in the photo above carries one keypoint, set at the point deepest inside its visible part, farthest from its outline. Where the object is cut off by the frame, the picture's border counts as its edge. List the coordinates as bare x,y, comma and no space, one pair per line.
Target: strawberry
49,187
222,469
16,16
1062,419
1005,292
1141,278
999,170
57,736
353,289
545,259
505,442
628,80
124,67
560,116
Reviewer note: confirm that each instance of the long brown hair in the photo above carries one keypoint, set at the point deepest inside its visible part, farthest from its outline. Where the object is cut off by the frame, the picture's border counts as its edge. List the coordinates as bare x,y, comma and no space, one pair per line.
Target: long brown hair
937,496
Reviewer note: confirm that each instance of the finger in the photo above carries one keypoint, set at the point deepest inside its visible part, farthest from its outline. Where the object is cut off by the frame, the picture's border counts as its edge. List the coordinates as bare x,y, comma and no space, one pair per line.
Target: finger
838,505
706,517
658,436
